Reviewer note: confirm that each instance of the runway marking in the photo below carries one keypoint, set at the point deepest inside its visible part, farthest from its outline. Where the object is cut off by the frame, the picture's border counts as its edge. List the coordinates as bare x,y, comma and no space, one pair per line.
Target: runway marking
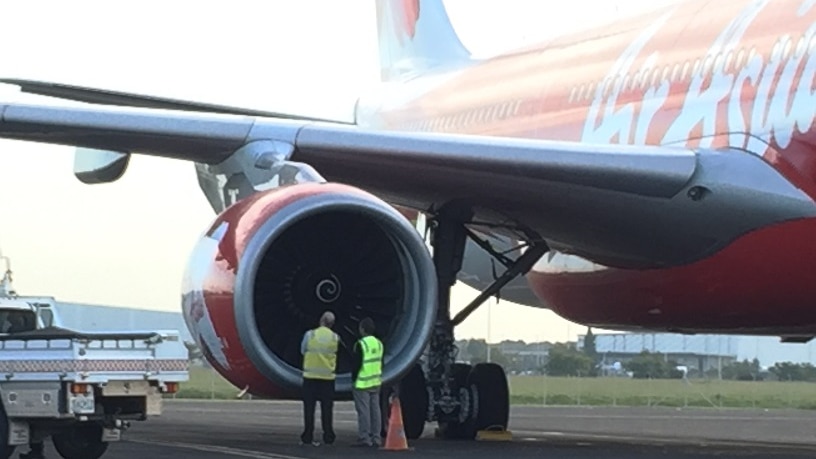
652,417
690,413
254,402
643,417
219,449
588,438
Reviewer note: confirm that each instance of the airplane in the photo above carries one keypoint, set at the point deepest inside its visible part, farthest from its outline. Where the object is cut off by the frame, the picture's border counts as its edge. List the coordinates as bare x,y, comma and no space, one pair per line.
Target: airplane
657,173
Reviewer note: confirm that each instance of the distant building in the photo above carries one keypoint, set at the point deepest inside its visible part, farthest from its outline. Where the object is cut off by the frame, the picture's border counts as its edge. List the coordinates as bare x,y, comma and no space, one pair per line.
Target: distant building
527,357
517,357
97,318
700,353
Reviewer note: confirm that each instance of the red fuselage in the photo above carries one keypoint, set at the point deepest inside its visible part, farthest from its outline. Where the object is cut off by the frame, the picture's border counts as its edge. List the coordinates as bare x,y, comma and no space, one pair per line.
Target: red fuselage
707,74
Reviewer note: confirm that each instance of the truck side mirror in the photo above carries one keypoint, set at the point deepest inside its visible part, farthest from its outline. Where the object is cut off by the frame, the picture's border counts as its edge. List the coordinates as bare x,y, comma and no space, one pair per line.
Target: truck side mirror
46,316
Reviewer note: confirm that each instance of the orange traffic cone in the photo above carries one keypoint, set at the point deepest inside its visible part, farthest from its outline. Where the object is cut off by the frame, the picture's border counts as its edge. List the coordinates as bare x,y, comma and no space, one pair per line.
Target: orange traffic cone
395,438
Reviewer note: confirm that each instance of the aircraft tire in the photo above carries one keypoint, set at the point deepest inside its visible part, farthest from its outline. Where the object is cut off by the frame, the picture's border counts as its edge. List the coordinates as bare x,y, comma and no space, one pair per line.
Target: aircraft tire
493,392
456,430
414,403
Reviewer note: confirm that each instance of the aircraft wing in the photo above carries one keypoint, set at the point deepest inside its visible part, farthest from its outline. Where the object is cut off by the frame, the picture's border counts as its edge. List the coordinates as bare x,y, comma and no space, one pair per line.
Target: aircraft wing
614,204
118,98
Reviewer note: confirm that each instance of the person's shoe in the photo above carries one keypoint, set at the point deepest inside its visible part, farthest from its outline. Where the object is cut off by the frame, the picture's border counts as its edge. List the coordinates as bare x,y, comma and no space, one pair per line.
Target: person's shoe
32,455
361,444
313,443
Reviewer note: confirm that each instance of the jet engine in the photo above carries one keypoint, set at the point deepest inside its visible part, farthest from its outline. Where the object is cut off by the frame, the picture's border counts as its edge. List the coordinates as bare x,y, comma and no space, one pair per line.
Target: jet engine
271,264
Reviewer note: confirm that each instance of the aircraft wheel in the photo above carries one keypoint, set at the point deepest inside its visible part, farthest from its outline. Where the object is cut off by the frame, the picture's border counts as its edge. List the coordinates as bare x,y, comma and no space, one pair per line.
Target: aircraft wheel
459,430
493,395
414,403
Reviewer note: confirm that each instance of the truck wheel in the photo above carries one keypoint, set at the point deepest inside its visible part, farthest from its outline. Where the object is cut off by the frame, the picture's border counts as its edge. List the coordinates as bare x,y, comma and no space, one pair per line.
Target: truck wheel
81,442
6,450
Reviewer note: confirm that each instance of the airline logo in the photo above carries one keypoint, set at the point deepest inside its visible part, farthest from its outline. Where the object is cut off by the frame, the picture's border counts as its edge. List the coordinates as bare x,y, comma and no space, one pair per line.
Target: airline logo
194,305
734,88
402,15
410,16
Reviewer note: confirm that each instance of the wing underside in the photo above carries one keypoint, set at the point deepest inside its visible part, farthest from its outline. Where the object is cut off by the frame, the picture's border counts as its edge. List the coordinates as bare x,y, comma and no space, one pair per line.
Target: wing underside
615,204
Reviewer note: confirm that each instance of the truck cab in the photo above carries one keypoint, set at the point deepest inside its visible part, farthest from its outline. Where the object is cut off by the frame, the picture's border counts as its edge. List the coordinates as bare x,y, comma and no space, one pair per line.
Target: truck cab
26,314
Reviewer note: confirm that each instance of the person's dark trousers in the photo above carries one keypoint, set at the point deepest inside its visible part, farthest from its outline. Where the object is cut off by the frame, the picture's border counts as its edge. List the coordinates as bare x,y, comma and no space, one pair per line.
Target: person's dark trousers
318,390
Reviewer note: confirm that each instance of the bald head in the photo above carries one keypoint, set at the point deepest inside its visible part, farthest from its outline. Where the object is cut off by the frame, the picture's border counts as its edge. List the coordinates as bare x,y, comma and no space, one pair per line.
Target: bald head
327,319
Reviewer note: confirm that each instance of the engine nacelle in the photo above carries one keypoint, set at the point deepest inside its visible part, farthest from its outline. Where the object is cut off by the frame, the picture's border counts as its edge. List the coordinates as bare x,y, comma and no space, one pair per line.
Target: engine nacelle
271,264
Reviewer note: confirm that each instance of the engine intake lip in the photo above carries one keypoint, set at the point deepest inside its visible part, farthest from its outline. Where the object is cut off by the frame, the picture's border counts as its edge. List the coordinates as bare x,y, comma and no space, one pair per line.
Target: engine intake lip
402,348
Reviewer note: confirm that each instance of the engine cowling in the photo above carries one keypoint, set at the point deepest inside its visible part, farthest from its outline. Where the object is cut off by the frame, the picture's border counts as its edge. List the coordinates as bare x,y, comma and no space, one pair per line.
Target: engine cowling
271,264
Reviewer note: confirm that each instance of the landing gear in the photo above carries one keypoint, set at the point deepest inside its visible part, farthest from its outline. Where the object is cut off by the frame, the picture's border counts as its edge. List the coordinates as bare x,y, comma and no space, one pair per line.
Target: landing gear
461,398
461,427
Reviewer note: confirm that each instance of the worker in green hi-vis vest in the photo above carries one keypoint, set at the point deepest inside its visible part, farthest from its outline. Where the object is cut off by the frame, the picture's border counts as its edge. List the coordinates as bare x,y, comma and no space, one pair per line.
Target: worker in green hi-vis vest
367,377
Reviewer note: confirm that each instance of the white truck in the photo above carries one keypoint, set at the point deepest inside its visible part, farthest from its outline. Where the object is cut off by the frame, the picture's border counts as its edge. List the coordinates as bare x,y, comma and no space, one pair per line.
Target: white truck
81,389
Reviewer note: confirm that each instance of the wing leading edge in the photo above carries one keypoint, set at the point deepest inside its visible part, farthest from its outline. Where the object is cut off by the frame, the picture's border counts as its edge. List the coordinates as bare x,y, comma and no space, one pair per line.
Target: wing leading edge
126,99
621,205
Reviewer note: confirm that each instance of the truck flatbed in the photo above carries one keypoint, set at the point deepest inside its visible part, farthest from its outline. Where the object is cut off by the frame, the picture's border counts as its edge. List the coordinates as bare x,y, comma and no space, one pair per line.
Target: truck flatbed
51,333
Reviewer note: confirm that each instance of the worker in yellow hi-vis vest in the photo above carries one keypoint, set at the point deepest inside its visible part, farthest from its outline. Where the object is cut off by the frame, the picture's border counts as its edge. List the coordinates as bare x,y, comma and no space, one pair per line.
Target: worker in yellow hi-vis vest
319,349
367,377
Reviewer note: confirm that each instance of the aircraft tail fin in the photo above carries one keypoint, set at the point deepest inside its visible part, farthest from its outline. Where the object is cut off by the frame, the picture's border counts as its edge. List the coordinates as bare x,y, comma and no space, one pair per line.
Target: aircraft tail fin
416,36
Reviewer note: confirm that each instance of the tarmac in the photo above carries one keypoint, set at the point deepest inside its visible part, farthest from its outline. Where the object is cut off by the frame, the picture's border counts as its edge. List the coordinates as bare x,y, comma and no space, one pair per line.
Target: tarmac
270,430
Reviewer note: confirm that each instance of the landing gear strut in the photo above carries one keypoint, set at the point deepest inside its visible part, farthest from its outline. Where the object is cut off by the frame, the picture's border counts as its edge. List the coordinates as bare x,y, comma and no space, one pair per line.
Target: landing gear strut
461,398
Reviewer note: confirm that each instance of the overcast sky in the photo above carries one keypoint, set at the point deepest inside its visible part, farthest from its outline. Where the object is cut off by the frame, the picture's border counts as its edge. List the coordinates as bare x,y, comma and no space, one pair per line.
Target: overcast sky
127,243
